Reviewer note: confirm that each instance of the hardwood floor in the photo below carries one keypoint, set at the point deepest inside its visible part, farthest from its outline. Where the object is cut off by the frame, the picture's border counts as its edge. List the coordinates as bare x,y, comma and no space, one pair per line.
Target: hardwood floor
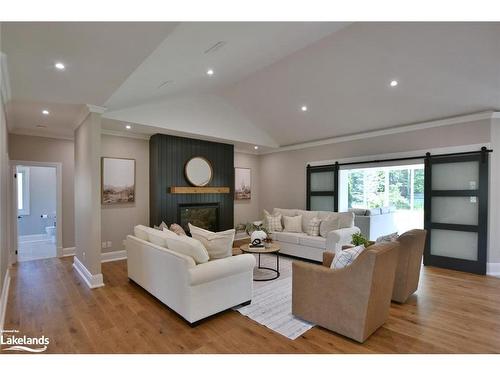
453,312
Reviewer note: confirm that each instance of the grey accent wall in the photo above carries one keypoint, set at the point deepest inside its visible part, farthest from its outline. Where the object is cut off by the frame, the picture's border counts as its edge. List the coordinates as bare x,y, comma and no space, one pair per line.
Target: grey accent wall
29,148
43,196
87,193
117,221
248,210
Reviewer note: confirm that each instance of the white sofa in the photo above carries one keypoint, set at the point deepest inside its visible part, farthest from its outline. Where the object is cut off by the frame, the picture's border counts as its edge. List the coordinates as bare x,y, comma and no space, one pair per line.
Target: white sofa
194,291
375,222
312,247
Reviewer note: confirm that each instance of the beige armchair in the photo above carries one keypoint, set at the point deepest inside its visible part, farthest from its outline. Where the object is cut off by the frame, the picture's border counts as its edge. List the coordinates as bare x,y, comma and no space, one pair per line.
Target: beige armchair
411,250
353,301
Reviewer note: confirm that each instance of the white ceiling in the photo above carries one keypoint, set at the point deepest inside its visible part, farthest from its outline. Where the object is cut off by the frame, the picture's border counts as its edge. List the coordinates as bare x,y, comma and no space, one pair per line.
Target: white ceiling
443,69
184,57
263,74
98,58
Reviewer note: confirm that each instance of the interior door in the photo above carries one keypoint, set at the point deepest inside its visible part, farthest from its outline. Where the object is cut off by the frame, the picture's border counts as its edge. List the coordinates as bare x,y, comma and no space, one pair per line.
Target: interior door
456,211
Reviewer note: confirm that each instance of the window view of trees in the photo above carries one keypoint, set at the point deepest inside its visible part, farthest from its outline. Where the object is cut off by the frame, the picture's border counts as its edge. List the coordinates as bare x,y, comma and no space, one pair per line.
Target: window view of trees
400,187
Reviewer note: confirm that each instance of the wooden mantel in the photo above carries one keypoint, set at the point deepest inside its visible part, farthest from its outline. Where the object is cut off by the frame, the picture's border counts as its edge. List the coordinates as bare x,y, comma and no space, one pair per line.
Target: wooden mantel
199,190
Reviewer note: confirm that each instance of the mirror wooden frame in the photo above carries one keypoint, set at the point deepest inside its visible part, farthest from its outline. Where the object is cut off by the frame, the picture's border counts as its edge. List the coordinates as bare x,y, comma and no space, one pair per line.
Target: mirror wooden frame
209,165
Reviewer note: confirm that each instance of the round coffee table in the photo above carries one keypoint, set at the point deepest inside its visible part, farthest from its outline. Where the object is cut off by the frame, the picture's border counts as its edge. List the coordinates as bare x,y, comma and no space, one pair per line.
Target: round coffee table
273,249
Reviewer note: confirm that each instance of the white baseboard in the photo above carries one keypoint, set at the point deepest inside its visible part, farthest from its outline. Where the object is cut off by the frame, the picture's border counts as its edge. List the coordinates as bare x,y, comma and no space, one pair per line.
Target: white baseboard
113,256
92,281
493,269
3,298
68,251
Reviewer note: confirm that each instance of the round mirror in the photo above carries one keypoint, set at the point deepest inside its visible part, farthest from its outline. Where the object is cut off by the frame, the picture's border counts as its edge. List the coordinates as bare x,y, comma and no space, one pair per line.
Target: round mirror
198,171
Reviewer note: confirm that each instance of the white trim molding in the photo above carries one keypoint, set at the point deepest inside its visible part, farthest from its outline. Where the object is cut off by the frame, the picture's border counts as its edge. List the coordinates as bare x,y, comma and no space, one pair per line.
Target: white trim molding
113,256
5,80
3,298
116,133
488,115
96,109
68,251
493,269
92,281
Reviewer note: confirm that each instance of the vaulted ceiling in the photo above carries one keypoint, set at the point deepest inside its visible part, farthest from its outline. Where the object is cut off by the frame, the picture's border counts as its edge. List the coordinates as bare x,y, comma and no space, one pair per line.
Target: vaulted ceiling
154,76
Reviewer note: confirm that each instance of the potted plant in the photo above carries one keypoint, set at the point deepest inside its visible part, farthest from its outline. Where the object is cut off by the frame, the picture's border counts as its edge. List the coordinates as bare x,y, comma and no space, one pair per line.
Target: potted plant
358,239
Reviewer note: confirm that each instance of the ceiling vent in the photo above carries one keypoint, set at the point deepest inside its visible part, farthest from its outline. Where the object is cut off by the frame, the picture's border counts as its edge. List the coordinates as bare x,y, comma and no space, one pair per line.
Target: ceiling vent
217,46
41,126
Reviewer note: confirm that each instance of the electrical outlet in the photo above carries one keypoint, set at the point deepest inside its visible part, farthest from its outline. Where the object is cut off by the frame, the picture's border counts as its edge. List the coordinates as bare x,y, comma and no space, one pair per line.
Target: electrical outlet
109,244
103,245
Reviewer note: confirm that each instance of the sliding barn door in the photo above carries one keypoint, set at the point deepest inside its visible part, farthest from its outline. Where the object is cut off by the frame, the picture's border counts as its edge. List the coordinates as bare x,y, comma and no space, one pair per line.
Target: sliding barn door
456,211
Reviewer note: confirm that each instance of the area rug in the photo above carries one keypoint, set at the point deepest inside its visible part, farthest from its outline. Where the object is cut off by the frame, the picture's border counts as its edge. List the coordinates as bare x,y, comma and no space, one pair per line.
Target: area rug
272,301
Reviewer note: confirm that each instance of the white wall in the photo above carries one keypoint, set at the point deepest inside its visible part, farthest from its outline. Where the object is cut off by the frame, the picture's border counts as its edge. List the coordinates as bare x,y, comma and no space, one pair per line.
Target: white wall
4,200
248,210
117,221
87,193
494,200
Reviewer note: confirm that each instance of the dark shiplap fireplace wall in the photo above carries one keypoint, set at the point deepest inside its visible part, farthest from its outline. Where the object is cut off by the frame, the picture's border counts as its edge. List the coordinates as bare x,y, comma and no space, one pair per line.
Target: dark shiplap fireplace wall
168,155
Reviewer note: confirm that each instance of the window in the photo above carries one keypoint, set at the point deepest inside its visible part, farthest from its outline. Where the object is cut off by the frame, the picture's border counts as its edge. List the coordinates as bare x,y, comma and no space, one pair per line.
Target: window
400,187
23,191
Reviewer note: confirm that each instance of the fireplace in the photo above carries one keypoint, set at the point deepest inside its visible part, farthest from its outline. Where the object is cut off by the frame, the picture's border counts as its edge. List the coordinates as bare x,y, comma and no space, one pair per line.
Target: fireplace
203,215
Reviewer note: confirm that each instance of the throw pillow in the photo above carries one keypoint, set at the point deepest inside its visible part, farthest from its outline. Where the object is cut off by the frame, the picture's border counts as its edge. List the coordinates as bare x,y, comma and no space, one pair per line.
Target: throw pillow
329,224
141,231
218,244
177,229
293,223
188,246
313,227
307,216
159,237
344,258
272,222
161,226
388,238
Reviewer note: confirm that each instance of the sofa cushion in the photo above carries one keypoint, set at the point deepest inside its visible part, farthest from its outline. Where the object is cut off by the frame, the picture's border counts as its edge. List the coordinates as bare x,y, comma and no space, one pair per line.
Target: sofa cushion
218,244
323,215
293,223
285,211
329,224
288,237
307,216
346,219
316,242
344,258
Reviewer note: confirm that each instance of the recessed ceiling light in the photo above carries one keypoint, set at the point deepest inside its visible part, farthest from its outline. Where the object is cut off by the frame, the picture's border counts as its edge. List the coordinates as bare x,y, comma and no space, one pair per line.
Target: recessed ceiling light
59,66
45,112
303,108
394,83
256,147
210,72
128,127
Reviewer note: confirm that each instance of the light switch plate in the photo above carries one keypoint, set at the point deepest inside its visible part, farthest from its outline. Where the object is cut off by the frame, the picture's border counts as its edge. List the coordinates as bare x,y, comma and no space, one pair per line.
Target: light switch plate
109,244
103,245
473,199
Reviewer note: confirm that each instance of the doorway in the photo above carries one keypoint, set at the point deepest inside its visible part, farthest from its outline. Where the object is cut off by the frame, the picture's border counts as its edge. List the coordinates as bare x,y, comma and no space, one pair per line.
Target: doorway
37,201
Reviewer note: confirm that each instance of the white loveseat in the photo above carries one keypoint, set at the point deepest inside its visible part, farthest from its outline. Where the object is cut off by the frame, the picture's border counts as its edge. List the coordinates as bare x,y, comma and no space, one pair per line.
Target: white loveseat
312,247
194,291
